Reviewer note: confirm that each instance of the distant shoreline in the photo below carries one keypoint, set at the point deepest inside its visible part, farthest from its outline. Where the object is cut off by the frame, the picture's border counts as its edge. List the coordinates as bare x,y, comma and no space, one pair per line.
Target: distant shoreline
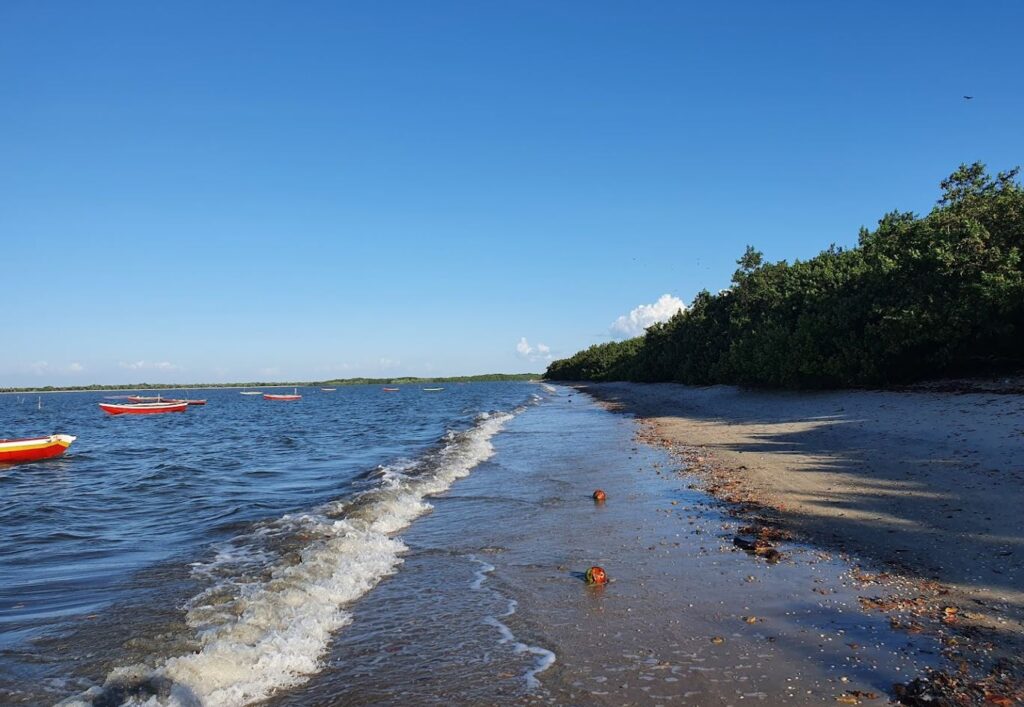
482,378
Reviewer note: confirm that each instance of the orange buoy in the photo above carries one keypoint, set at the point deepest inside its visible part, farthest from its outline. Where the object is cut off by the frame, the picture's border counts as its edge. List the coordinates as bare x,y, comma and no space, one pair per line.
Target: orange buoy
599,496
596,575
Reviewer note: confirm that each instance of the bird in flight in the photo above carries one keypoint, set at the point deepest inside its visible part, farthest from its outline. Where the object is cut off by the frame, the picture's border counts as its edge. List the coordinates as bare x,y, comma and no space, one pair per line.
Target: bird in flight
969,97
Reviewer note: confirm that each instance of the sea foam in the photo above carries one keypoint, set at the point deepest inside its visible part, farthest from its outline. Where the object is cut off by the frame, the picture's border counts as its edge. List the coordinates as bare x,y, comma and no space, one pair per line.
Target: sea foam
260,631
545,658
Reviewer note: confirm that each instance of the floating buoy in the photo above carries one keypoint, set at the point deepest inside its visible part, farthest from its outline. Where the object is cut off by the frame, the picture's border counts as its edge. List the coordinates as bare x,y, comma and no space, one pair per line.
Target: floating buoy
599,496
596,575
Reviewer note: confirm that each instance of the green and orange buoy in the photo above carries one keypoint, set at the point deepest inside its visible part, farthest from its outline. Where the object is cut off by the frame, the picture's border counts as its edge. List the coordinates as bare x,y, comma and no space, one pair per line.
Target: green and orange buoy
599,496
597,575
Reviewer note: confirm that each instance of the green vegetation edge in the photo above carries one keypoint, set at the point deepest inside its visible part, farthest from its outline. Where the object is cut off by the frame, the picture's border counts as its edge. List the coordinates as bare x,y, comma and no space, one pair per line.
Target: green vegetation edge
920,297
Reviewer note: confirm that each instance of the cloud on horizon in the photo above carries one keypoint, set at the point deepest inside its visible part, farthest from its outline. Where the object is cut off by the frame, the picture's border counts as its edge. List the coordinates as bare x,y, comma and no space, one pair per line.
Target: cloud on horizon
149,366
636,322
540,352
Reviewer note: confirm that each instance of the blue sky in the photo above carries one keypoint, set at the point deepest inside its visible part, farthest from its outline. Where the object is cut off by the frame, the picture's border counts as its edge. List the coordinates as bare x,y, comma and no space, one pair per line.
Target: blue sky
239,190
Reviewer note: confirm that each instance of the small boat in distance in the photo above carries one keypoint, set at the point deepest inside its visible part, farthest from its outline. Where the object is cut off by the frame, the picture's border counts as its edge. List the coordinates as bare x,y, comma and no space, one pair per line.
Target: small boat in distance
30,449
390,390
143,408
432,390
190,401
293,396
328,390
251,392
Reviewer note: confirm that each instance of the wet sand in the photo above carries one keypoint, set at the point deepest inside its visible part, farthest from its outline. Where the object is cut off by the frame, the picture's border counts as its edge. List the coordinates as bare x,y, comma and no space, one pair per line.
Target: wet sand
928,484
491,606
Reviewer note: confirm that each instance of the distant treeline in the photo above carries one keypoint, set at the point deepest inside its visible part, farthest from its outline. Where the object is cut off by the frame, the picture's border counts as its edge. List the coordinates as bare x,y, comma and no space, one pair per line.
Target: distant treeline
486,377
918,297
482,378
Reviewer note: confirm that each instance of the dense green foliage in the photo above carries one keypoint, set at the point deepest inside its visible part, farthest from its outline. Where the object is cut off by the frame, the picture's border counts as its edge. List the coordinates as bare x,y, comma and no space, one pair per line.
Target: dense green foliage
408,380
918,297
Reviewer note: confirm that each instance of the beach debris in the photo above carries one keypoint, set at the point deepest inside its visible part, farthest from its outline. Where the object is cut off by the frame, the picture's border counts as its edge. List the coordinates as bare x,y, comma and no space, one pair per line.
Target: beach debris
1002,687
759,547
599,496
854,697
717,640
908,626
868,578
597,575
765,532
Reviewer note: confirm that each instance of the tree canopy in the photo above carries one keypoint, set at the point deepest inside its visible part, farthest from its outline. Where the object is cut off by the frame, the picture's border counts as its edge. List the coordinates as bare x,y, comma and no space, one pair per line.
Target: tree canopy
918,297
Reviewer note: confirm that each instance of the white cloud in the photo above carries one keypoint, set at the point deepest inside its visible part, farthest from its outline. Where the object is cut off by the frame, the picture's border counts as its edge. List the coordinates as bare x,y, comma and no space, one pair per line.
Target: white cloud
76,367
39,367
388,363
634,323
540,352
148,365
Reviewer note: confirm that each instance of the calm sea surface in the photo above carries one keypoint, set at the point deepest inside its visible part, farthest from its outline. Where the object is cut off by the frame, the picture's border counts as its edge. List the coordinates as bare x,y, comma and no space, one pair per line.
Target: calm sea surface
248,522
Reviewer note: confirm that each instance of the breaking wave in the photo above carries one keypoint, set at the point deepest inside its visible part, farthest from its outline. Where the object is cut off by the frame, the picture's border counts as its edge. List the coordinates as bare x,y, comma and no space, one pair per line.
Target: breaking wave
277,594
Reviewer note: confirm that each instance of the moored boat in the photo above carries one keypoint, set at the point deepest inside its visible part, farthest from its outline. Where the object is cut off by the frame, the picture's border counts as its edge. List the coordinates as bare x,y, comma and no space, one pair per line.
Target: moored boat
251,392
275,396
143,408
390,390
328,390
432,390
30,449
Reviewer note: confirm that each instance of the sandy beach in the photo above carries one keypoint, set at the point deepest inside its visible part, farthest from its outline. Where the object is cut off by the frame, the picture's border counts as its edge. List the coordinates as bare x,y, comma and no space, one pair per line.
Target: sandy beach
926,484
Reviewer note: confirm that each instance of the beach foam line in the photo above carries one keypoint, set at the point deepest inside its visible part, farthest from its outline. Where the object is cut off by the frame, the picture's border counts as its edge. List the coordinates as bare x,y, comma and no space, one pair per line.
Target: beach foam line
260,629
545,658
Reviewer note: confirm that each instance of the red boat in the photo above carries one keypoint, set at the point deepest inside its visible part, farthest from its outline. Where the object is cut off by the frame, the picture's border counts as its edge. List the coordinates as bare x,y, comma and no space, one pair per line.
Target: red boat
269,396
143,408
30,449
390,390
187,402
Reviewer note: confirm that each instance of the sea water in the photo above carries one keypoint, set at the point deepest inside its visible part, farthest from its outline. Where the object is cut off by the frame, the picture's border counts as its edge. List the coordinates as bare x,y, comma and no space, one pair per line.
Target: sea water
208,557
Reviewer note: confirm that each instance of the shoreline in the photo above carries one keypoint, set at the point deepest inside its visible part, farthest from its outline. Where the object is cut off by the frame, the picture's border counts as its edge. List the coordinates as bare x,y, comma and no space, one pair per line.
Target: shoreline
926,486
129,388
686,618
152,388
